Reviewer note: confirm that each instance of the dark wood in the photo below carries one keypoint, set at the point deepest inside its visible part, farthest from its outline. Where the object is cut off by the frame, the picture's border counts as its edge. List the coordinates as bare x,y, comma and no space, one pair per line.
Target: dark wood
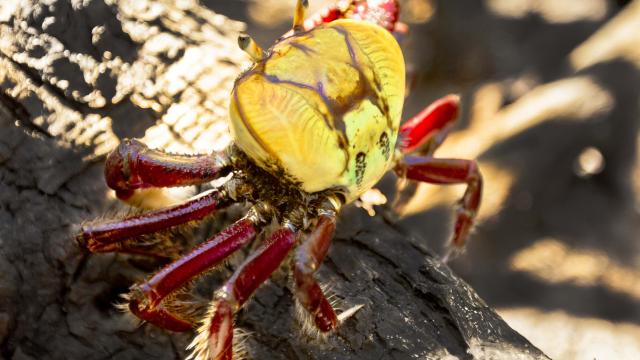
65,103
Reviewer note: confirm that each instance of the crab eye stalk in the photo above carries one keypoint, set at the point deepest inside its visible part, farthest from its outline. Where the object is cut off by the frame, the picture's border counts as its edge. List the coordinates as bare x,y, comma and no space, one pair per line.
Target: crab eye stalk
248,45
298,17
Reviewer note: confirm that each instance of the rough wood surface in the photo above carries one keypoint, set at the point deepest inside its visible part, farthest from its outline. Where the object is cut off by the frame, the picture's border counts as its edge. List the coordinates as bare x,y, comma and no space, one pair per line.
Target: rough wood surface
78,76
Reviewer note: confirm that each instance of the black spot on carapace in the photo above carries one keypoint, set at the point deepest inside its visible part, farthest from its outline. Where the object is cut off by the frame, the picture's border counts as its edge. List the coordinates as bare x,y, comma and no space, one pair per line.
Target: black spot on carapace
383,142
361,166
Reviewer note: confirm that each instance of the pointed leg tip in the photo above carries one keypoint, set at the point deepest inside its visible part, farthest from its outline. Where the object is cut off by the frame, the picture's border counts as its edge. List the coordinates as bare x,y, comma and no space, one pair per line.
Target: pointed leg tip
455,98
349,313
446,257
451,254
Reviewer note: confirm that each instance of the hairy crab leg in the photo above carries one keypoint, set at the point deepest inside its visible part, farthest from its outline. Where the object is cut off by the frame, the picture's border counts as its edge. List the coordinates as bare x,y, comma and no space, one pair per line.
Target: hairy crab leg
110,236
134,166
215,336
449,171
146,298
308,258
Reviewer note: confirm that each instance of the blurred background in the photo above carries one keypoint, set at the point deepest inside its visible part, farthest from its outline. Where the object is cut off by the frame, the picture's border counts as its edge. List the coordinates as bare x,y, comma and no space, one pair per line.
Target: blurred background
550,95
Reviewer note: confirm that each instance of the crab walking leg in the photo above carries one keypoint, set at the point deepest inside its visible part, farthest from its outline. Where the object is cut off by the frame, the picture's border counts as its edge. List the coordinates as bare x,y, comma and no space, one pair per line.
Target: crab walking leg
109,236
215,336
146,298
134,166
308,258
449,171
423,134
427,130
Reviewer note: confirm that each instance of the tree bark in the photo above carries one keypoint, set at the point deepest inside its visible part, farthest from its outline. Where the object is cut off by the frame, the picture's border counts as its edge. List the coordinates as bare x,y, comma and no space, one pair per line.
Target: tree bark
76,77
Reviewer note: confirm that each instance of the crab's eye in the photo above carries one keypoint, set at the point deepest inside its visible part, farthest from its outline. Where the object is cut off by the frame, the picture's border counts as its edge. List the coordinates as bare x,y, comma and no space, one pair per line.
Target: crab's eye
298,17
248,45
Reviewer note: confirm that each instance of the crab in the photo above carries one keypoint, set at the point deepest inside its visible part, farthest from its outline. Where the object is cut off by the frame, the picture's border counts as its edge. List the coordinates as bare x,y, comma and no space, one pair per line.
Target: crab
316,123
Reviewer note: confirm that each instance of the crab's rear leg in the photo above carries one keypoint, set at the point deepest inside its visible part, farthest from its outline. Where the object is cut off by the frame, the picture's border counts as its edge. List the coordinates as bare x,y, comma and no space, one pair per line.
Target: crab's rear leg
449,171
146,299
215,336
308,258
134,166
115,235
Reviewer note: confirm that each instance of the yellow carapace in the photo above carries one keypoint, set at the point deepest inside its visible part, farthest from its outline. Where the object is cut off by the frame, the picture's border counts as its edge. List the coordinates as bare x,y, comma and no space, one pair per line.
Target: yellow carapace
323,106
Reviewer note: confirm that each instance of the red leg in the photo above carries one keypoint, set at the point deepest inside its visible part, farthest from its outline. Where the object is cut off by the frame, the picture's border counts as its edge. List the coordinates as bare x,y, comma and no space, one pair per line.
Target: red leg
427,130
134,166
308,258
423,134
382,12
146,299
215,337
111,236
449,171
325,15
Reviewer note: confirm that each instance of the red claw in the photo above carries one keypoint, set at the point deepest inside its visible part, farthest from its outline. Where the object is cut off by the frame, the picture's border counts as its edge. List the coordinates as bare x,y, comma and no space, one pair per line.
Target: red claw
326,15
134,166
382,12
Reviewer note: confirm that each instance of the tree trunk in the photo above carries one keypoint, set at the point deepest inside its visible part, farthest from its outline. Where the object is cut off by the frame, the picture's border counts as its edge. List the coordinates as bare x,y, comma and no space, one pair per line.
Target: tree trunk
76,77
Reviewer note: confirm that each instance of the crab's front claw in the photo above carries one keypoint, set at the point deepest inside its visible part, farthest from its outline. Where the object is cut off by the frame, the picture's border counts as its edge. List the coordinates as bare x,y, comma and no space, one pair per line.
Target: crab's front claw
117,170
382,12
134,166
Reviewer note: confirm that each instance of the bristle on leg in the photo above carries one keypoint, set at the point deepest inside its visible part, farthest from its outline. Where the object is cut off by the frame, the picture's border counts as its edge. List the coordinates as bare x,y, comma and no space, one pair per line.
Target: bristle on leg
215,335
309,321
214,340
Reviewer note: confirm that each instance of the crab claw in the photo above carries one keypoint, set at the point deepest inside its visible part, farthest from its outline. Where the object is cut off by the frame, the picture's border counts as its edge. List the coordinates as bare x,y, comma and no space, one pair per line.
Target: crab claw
382,12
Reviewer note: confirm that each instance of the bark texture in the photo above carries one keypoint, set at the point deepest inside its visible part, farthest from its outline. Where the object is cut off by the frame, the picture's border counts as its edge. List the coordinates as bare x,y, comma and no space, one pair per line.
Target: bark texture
78,76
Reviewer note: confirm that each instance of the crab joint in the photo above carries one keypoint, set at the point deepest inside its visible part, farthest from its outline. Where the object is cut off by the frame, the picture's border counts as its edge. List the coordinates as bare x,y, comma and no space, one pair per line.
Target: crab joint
330,206
248,45
298,16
